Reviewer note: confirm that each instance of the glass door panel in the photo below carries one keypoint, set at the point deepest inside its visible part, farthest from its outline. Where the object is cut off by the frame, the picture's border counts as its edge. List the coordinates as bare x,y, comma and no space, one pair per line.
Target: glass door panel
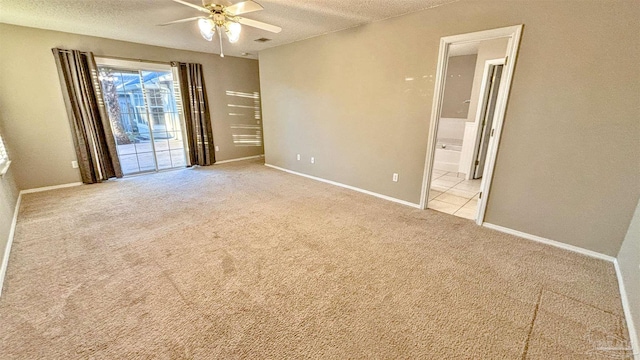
144,117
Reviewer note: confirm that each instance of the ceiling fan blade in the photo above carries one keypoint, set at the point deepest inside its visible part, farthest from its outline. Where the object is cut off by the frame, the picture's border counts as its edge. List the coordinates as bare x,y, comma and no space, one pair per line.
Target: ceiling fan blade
197,7
181,21
244,7
206,3
260,25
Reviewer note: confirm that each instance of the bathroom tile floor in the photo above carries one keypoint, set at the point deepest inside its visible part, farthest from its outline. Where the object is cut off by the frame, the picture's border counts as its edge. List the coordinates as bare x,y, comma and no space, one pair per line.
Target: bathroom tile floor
452,194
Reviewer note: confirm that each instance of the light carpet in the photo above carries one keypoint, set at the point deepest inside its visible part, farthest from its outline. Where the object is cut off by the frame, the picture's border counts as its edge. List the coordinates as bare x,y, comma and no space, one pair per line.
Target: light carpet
242,261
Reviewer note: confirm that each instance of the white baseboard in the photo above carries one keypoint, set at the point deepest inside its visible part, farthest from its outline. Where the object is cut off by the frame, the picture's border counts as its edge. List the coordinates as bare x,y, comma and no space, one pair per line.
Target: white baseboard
385,197
12,230
239,159
558,244
623,295
626,306
47,188
7,249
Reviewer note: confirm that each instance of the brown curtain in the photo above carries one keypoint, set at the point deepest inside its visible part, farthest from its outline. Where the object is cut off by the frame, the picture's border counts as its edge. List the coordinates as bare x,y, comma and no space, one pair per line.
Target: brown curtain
196,113
92,136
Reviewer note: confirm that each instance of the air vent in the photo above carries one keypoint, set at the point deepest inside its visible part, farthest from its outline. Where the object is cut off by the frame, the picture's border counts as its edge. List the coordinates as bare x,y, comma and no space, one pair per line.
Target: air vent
263,40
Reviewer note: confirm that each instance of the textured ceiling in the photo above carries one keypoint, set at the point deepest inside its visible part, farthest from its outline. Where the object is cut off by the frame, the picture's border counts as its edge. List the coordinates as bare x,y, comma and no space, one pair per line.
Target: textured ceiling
136,20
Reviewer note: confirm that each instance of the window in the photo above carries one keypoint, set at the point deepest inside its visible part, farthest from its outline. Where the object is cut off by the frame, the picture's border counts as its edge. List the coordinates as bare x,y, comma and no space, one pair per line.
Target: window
4,158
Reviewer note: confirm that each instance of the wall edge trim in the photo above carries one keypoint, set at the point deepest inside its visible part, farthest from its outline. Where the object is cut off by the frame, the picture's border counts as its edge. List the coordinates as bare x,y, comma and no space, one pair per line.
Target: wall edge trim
626,306
558,244
238,159
47,188
384,197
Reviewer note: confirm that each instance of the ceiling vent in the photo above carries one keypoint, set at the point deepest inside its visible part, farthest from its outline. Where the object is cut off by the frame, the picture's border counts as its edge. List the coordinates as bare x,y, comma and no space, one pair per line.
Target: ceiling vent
263,40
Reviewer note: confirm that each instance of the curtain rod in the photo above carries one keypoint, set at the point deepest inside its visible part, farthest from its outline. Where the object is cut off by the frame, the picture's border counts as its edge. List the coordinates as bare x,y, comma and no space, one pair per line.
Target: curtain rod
131,59
121,58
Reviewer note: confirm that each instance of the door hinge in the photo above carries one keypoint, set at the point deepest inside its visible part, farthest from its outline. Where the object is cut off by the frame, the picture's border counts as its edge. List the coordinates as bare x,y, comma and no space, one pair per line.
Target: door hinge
506,60
477,162
480,195
492,130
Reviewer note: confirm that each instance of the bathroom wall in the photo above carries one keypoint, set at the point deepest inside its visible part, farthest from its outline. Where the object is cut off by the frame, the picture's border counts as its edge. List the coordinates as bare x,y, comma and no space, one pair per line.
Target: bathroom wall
458,86
455,109
487,50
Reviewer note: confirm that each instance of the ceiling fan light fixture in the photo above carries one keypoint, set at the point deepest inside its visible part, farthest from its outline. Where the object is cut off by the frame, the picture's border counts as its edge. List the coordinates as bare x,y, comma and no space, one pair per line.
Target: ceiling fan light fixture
233,32
224,19
207,28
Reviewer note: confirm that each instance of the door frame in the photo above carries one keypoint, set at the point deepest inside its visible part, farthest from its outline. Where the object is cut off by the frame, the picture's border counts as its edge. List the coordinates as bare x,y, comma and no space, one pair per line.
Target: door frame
144,65
513,33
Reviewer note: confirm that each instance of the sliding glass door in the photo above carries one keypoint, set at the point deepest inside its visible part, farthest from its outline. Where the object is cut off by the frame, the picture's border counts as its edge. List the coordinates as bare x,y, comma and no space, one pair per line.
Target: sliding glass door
143,106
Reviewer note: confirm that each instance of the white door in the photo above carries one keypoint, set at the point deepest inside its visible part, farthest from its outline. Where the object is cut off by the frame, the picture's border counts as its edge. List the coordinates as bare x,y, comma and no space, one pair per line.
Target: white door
495,75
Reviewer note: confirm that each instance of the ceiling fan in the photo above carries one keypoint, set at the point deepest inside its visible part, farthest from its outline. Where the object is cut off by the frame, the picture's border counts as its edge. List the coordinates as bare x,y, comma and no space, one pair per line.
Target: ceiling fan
224,18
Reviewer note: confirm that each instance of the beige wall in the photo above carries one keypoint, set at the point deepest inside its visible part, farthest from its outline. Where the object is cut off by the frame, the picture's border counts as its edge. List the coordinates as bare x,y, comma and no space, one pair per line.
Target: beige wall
629,262
568,166
8,198
458,85
35,118
487,50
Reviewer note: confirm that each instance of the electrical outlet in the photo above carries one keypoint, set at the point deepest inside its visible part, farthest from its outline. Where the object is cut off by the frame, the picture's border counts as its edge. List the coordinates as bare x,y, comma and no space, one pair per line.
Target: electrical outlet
217,148
74,164
298,157
313,160
395,177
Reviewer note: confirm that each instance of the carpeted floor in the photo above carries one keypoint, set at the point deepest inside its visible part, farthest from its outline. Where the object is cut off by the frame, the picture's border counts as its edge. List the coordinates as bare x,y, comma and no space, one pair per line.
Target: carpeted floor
242,261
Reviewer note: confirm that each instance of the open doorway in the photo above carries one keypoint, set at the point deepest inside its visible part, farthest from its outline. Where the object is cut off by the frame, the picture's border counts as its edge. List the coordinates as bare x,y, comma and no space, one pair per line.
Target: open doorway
472,87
